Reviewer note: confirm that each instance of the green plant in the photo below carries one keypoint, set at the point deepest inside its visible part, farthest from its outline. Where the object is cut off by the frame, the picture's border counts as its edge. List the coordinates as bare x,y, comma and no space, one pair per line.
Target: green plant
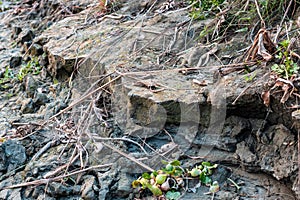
249,77
170,195
168,180
287,67
32,67
201,9
6,79
7,75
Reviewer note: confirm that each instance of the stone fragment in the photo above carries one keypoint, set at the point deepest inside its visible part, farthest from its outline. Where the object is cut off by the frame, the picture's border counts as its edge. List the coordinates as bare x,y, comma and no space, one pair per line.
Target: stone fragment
15,154
244,153
31,84
87,191
124,186
40,99
25,36
279,156
35,49
27,106
59,190
15,61
3,160
15,194
16,30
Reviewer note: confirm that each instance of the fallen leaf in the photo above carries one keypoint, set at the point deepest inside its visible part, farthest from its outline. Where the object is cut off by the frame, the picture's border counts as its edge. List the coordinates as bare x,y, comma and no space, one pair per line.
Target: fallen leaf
286,93
266,97
261,48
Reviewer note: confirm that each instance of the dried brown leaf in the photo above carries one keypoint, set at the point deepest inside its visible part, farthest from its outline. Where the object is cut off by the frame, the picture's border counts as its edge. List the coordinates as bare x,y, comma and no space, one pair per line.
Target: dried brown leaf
286,93
261,48
266,97
262,45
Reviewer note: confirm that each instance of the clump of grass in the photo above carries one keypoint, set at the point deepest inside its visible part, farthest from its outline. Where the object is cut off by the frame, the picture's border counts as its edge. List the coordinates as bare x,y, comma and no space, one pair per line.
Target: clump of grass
32,67
202,9
233,17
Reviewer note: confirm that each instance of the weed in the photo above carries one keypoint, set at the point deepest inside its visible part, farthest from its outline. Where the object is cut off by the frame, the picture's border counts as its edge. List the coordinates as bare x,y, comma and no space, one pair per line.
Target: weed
7,75
287,67
250,77
201,9
170,179
32,67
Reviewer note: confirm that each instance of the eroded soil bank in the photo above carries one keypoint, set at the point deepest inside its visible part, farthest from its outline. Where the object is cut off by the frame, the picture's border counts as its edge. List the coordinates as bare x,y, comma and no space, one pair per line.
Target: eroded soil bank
91,98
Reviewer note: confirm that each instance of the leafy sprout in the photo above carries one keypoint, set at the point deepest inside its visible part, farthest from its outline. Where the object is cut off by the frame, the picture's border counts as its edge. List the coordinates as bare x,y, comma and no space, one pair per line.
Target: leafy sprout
287,67
170,179
32,67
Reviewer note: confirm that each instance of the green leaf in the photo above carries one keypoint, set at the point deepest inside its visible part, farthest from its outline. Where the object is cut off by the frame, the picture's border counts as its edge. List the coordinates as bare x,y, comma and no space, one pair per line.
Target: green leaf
195,172
153,174
205,179
285,43
213,166
155,190
172,195
206,164
178,172
144,182
146,175
164,162
169,168
55,81
161,178
175,163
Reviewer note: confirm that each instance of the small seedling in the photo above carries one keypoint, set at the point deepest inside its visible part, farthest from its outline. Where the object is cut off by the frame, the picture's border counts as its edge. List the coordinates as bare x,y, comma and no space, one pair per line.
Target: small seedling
7,76
250,77
287,67
201,9
32,67
169,180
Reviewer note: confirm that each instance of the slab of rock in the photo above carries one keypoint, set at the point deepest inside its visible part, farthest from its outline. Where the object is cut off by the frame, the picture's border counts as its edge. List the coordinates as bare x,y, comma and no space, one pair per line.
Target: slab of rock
15,154
279,157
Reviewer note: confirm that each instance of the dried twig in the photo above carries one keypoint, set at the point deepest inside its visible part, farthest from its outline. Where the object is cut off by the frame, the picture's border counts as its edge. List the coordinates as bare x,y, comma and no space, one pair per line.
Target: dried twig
190,68
84,97
48,180
281,23
130,157
44,149
95,138
263,24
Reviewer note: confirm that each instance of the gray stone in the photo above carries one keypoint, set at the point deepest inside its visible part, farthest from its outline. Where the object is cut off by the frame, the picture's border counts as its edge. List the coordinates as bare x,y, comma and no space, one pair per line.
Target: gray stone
124,185
4,194
16,30
25,36
244,153
60,190
15,194
31,85
15,61
3,160
225,195
280,156
27,106
15,154
35,50
40,99
87,191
